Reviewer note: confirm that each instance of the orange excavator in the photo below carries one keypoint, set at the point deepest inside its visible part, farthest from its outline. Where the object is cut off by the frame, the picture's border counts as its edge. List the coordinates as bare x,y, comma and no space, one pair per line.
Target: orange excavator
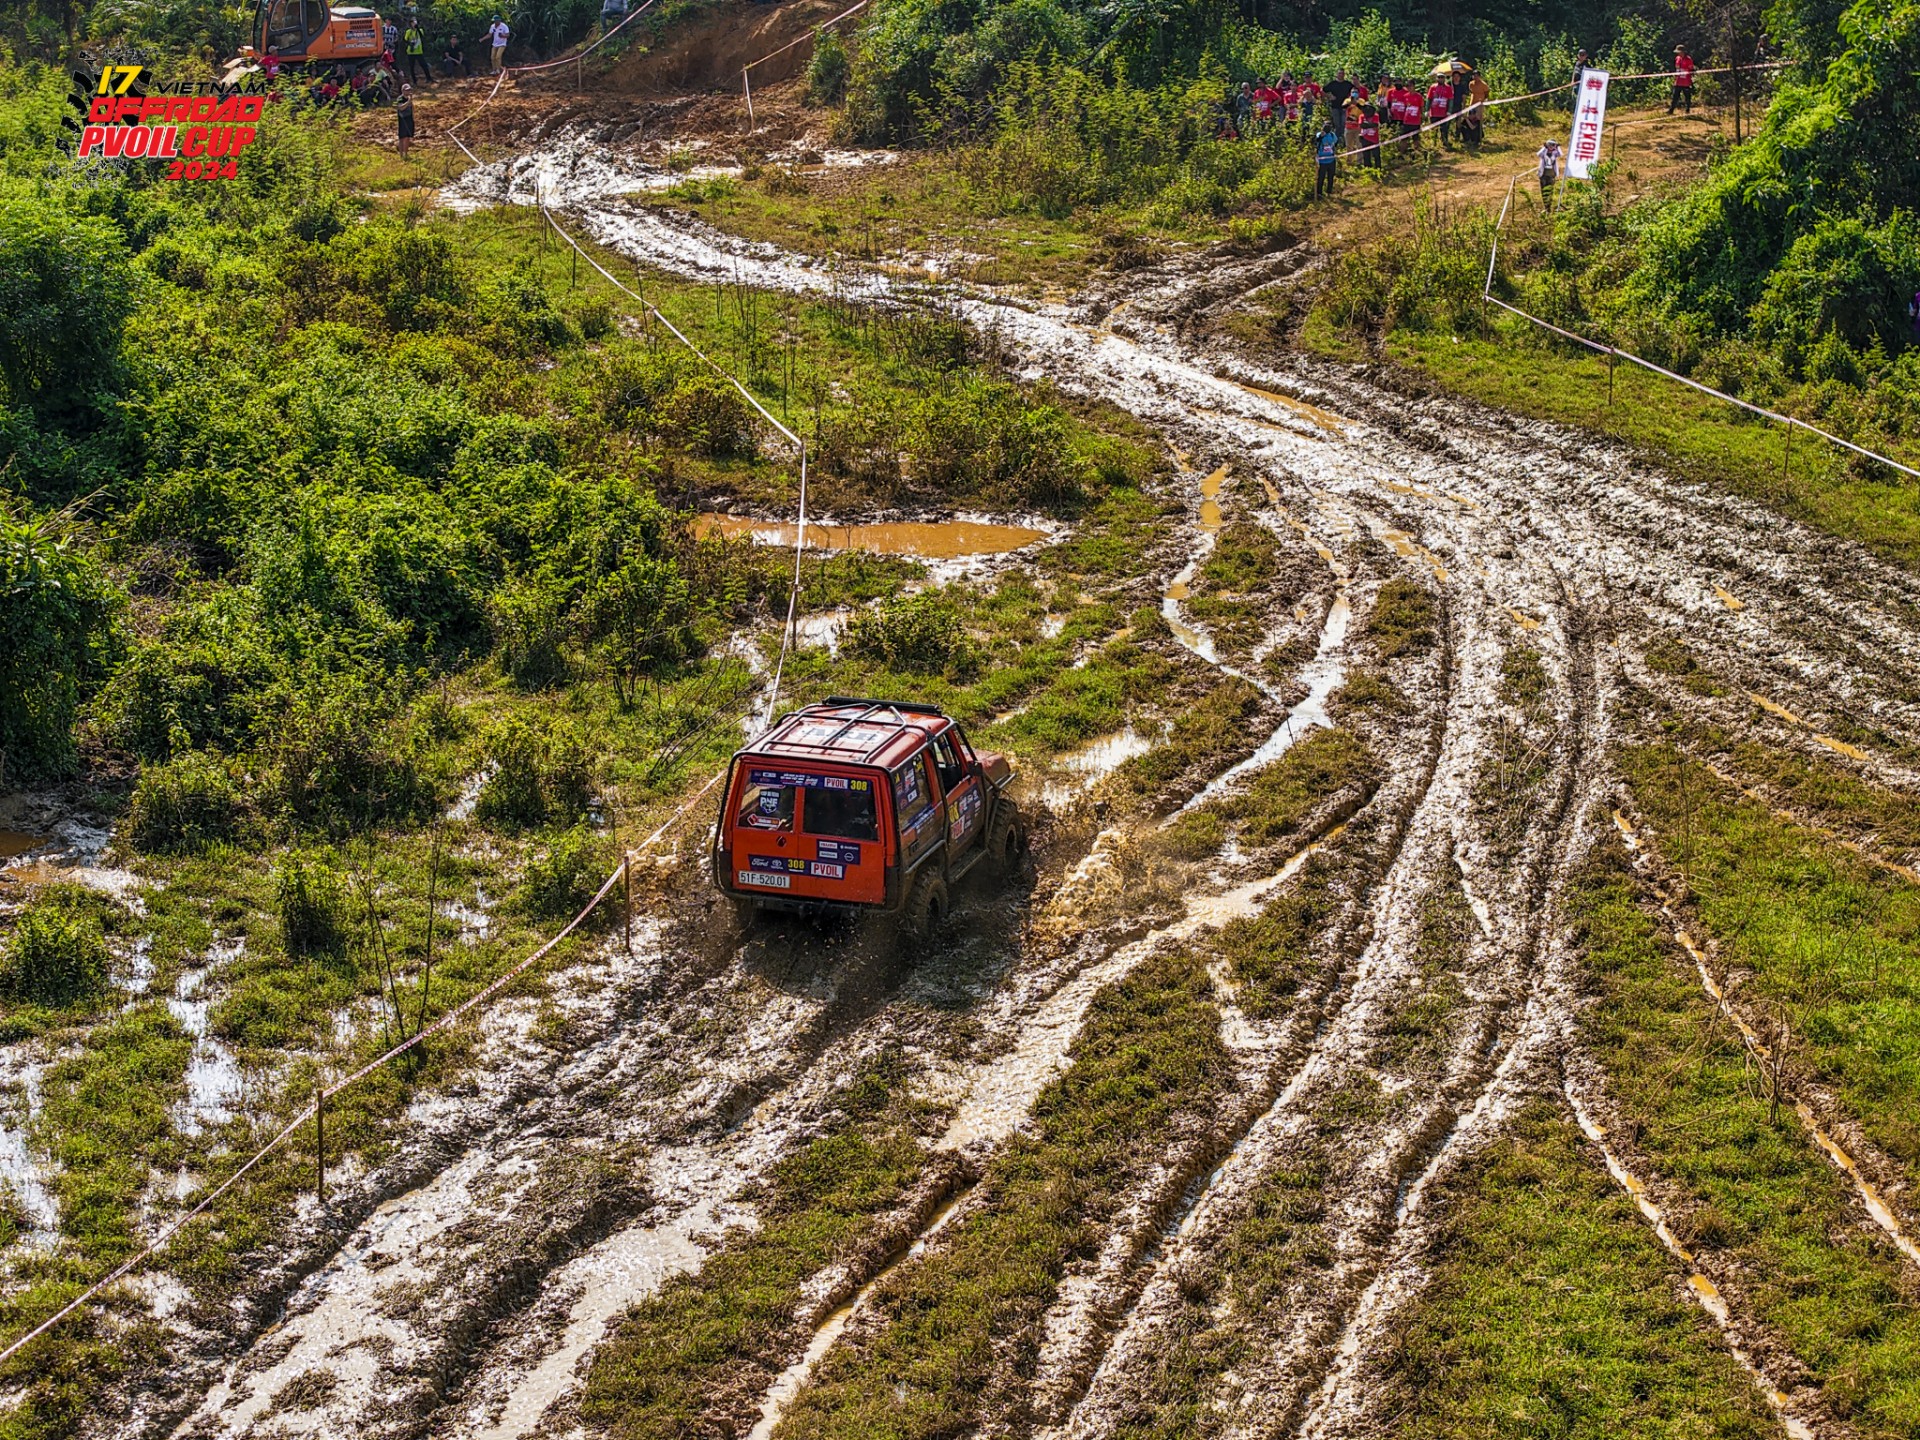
313,33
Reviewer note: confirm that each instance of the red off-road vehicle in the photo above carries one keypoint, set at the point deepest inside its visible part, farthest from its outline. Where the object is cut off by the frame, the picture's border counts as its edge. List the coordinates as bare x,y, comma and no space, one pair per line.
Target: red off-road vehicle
875,805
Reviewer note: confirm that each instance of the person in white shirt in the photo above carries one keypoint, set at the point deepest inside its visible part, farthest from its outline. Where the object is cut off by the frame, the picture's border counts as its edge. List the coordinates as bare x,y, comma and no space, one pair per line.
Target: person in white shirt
1549,157
497,33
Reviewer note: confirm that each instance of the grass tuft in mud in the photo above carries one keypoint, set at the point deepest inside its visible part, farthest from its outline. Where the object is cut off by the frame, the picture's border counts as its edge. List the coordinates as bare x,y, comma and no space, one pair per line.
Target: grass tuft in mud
1554,1311
951,1335
1756,1199
709,1343
1327,769
1403,621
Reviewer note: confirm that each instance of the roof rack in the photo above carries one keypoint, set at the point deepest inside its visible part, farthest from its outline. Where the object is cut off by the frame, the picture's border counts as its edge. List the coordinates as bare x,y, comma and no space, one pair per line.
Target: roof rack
913,705
902,713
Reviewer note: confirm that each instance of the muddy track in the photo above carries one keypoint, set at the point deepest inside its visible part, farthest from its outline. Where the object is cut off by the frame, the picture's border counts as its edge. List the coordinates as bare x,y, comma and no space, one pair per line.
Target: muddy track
513,1254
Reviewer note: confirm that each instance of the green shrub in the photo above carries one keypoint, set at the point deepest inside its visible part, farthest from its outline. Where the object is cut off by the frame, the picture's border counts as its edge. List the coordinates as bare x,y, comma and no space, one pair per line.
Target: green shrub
540,773
593,315
563,877
827,71
530,629
56,958
57,617
333,752
705,415
521,307
66,290
311,898
182,804
916,633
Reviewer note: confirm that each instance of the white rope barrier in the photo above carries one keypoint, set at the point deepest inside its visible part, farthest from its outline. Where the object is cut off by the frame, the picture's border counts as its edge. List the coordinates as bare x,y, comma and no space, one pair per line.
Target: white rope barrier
1614,351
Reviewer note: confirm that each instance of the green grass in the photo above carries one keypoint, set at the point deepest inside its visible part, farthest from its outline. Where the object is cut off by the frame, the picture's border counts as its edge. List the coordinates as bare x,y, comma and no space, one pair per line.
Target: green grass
955,1330
1271,955
1831,793
1279,798
1403,619
1760,1199
1235,588
721,1333
1834,943
1701,438
1553,1311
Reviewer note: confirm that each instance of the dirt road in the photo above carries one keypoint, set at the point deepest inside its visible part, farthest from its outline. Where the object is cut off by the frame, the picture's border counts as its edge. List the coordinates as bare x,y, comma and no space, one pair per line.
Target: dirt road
554,1197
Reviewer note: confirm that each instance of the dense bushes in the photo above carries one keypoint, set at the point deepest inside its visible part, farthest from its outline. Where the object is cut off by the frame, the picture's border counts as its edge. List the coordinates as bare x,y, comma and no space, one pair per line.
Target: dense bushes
56,957
920,634
66,289
181,804
978,439
57,616
561,878
539,773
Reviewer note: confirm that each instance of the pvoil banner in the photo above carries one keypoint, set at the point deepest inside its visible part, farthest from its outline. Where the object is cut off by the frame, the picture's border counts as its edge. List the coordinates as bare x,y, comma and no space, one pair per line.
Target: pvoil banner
1589,123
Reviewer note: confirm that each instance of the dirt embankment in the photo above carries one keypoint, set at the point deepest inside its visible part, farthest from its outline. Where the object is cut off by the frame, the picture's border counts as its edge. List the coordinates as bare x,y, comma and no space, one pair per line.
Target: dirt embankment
707,49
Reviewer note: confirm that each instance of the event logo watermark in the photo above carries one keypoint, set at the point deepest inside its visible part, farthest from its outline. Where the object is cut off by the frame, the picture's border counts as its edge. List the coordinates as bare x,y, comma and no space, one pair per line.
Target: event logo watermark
200,136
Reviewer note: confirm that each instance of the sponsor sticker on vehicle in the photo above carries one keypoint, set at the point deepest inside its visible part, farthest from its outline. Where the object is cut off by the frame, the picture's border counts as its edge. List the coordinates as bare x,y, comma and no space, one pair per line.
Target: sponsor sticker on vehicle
777,862
765,881
806,781
962,810
827,872
839,851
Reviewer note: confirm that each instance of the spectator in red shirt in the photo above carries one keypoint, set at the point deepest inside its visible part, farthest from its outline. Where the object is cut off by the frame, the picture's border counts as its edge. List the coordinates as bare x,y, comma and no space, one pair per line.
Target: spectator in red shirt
1682,80
1370,136
1409,109
1440,107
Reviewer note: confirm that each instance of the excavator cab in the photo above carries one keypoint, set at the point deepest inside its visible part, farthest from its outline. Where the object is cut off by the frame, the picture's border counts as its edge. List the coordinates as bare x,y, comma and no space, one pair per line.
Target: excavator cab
312,32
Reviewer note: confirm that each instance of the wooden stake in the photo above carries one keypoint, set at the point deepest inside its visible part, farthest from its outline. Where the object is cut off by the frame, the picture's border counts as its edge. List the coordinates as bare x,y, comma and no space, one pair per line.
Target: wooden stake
1787,459
626,874
320,1141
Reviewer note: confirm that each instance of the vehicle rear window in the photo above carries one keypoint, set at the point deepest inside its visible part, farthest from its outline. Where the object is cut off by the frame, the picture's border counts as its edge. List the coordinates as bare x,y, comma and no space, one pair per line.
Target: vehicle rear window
848,814
766,807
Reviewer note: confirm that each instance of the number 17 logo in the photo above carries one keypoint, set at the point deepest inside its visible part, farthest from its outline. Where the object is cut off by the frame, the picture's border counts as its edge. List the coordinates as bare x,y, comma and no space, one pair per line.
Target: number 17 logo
127,73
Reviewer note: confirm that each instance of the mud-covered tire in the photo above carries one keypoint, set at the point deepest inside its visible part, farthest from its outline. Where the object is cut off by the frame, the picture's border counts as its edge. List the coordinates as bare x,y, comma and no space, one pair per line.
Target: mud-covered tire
1007,839
926,905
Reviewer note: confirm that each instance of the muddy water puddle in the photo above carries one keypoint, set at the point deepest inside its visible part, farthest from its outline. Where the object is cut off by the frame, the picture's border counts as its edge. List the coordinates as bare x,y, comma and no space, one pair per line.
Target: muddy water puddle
22,1174
337,1319
17,842
1210,499
631,1264
214,1080
1084,768
920,539
1325,419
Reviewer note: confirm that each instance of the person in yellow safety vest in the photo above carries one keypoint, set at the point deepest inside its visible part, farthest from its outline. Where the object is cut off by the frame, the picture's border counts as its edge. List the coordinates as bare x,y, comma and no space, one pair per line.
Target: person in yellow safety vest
416,43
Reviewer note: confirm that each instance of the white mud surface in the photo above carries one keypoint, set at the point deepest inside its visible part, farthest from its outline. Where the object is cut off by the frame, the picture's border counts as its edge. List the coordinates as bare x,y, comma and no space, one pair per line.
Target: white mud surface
706,1062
